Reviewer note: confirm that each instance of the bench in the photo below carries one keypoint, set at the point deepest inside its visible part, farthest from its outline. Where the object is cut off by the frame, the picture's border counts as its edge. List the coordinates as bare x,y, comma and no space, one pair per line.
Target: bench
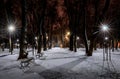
26,62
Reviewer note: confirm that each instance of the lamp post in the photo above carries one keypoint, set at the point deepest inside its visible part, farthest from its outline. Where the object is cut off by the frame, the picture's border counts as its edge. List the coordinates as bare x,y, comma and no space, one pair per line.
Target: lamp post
107,56
78,38
11,29
36,38
17,43
104,29
106,38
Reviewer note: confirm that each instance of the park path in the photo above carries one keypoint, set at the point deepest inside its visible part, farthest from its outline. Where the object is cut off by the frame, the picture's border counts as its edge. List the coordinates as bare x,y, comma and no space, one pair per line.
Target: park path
60,63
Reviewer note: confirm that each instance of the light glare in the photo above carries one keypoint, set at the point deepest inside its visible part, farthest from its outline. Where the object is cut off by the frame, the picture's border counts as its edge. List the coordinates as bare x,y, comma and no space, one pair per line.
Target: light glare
104,27
36,38
68,33
11,28
106,38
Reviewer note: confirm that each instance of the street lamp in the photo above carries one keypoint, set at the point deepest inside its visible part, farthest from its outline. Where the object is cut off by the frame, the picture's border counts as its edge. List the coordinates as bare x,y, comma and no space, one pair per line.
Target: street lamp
68,33
105,28
36,38
17,40
17,43
11,29
78,38
106,38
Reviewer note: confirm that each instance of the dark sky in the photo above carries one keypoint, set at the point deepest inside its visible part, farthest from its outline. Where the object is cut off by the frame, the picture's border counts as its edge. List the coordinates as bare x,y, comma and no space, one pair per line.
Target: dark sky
112,14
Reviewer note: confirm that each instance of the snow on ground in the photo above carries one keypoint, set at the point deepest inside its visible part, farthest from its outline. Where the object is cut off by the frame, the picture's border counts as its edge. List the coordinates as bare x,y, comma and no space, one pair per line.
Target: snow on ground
60,63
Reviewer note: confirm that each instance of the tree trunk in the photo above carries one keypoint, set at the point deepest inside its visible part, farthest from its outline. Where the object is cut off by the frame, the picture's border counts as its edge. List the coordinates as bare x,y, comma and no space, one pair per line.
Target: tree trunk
71,42
39,43
44,42
116,45
112,45
41,17
62,37
75,43
107,2
91,47
95,45
50,37
23,30
84,26
40,34
12,47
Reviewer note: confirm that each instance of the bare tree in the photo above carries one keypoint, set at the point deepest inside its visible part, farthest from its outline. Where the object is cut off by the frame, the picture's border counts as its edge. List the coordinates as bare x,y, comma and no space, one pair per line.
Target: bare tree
98,19
23,53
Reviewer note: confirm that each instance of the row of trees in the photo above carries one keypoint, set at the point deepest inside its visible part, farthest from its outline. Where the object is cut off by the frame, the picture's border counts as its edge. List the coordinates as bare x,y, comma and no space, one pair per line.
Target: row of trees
78,10
37,17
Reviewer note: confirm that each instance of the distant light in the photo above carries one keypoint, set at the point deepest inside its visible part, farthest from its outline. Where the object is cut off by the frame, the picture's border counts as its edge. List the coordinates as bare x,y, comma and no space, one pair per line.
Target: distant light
68,33
11,28
25,41
17,40
105,27
78,38
66,37
36,38
106,38
46,37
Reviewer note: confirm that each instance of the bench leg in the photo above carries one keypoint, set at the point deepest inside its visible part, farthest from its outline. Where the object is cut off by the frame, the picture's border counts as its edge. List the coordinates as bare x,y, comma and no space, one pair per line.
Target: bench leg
24,65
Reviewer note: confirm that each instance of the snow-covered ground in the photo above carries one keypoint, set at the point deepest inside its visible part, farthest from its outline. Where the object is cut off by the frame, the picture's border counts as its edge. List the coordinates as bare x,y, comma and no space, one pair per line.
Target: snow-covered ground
60,63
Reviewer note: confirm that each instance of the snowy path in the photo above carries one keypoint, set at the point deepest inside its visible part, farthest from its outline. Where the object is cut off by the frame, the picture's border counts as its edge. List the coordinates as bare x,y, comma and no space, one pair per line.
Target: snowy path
58,63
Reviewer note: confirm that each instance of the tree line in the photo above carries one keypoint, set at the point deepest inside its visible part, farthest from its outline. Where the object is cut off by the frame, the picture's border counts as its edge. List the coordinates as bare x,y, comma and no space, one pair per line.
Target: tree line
81,17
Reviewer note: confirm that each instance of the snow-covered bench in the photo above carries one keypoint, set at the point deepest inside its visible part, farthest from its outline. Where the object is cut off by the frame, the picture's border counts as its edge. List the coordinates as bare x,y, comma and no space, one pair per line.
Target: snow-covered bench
26,62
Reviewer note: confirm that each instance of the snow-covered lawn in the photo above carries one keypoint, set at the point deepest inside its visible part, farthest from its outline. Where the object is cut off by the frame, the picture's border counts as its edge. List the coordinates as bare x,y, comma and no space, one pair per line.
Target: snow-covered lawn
60,63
